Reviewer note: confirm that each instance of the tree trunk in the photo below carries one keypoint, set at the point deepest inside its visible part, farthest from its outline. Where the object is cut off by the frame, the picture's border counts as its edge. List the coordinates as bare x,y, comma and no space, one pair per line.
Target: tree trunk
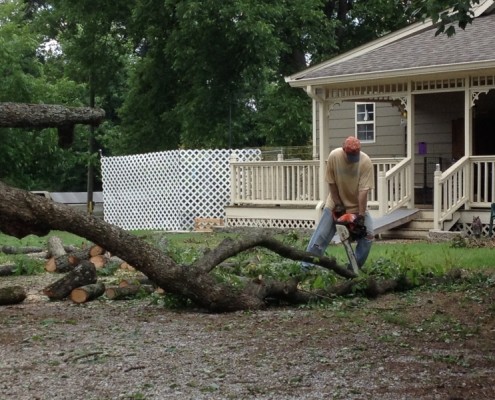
12,295
87,293
81,275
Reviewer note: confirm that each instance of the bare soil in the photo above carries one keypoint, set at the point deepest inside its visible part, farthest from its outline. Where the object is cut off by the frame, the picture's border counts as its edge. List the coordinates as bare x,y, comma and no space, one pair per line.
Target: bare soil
418,345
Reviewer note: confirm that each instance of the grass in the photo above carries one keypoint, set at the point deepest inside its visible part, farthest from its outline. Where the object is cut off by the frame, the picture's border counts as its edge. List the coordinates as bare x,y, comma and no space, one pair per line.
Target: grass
185,247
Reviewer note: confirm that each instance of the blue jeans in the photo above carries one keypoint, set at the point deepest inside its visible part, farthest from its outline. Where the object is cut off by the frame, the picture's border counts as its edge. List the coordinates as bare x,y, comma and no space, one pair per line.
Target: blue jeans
325,231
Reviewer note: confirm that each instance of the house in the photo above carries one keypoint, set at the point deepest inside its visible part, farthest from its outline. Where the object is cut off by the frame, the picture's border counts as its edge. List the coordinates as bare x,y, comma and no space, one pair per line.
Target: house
423,107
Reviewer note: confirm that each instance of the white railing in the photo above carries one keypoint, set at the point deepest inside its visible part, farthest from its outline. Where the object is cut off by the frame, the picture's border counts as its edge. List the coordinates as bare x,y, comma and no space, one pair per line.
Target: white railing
450,191
294,182
380,165
482,182
395,187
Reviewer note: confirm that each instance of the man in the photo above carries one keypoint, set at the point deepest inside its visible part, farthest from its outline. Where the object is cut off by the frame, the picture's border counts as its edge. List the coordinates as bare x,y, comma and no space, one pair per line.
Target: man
349,174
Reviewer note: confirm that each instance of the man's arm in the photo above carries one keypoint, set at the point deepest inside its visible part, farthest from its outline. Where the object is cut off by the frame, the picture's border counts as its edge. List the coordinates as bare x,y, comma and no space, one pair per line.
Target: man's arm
334,192
363,201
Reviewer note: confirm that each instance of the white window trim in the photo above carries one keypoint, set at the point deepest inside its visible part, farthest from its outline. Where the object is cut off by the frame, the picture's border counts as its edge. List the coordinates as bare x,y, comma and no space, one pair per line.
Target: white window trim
356,122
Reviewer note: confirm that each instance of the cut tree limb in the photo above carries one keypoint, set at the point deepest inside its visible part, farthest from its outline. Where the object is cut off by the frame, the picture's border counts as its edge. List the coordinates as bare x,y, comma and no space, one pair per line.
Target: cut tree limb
22,115
55,247
87,293
12,295
126,292
21,250
83,274
7,269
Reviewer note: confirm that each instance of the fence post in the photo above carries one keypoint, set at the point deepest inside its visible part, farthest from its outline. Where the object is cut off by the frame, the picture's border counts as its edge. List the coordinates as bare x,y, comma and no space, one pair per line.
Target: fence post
437,198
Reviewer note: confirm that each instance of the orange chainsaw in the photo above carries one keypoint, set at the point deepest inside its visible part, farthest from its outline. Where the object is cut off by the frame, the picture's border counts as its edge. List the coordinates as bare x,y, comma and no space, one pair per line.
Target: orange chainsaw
348,230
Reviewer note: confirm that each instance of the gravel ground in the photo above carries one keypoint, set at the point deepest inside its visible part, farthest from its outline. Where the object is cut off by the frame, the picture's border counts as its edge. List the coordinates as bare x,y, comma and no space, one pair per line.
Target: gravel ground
420,345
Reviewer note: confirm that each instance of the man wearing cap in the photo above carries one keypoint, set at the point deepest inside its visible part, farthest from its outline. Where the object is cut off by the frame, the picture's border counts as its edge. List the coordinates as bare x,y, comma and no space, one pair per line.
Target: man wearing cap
349,174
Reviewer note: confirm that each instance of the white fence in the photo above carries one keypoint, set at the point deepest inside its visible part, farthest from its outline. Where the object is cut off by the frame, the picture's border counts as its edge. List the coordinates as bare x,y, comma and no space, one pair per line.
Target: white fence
168,190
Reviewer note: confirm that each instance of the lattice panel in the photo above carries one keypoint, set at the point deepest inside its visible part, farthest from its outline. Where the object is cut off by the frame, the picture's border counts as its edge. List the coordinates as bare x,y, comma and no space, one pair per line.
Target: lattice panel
168,190
270,223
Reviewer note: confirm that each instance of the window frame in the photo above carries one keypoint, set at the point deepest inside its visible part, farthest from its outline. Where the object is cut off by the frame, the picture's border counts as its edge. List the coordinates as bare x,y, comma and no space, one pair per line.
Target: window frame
358,122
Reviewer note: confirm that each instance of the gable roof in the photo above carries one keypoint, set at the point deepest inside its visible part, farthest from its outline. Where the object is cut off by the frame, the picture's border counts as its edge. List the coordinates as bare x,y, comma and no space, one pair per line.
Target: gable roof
412,51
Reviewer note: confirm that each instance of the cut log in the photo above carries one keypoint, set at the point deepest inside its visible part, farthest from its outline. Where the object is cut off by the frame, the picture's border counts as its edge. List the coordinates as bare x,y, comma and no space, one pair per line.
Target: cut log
83,274
7,269
67,262
21,250
12,295
136,281
55,247
122,293
87,293
98,261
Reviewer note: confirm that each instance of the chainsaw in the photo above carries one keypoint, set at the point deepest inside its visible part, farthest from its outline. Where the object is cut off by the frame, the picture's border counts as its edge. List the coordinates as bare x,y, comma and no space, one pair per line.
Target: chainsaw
348,230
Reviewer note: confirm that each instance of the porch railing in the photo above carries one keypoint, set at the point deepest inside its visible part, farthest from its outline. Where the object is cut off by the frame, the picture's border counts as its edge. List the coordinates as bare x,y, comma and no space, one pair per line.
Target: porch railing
294,182
450,191
395,187
469,182
482,187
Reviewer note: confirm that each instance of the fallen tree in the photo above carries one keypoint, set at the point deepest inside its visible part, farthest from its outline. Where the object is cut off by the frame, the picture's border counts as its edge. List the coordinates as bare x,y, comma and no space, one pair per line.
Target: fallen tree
22,213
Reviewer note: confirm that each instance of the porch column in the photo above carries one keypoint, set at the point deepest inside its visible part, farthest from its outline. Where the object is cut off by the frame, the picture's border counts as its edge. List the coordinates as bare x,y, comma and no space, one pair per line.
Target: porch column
324,145
468,119
411,135
468,137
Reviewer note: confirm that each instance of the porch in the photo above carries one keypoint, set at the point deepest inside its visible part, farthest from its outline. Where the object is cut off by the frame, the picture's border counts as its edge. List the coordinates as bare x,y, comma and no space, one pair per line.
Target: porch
286,194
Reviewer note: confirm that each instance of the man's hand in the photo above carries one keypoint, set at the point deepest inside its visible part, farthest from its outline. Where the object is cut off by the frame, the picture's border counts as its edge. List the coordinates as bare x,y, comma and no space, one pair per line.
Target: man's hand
359,227
338,211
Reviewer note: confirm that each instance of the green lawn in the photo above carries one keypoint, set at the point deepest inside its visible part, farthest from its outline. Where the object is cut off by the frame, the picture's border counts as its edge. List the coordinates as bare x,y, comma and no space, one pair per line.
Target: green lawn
429,255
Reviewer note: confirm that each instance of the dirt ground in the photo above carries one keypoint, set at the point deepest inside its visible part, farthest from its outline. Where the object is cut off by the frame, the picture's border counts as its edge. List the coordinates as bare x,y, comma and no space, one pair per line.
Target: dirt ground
419,345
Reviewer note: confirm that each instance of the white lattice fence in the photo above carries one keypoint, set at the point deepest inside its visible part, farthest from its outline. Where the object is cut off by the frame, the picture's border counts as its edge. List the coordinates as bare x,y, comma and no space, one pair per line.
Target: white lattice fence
168,190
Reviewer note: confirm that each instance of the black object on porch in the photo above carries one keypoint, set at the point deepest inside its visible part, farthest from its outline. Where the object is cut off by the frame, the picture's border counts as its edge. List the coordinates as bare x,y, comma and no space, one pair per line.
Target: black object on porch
424,194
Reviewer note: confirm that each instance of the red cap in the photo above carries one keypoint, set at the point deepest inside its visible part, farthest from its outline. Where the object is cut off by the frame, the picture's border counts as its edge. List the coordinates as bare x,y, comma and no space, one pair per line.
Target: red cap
352,148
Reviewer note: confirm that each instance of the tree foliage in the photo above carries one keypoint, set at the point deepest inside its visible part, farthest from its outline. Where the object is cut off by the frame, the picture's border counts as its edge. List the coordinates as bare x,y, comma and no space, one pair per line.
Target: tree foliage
178,73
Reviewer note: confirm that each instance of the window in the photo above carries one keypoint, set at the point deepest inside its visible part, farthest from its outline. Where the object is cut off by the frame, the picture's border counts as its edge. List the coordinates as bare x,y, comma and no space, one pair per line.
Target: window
365,122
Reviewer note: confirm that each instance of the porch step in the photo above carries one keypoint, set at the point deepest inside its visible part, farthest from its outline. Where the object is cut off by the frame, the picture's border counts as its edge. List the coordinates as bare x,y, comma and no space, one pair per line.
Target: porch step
416,228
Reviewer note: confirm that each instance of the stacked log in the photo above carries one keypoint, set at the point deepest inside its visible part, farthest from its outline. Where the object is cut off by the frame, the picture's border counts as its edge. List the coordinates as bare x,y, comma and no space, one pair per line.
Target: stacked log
83,274
66,262
87,293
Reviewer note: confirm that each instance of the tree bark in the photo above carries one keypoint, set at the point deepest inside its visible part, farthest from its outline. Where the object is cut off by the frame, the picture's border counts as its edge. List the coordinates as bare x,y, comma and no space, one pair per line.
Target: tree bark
81,275
87,293
12,295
